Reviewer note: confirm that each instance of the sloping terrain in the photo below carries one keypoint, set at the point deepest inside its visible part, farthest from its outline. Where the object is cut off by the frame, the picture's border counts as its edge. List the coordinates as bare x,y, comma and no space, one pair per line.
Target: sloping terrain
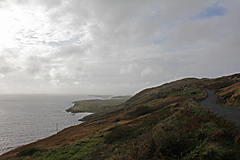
230,95
164,122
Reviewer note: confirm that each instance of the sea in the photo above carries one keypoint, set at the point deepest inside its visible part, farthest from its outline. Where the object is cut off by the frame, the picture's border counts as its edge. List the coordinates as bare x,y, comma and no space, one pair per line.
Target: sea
27,118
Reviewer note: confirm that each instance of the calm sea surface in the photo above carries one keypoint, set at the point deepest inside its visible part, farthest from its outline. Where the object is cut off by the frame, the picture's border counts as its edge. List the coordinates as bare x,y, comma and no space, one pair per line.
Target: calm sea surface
28,118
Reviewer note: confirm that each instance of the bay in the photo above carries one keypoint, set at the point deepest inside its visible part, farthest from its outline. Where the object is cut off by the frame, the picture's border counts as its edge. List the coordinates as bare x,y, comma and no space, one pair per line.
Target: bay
28,118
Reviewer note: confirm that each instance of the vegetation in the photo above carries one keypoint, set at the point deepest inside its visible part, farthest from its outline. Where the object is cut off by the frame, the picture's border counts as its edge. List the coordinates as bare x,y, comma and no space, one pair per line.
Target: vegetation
192,133
28,152
95,105
230,96
164,122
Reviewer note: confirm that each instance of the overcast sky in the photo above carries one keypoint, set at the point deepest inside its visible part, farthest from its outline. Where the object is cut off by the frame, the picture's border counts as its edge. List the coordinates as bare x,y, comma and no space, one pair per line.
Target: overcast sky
114,46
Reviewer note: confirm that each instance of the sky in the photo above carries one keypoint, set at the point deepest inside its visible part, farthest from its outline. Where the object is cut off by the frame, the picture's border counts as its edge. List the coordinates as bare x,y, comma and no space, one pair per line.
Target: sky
114,47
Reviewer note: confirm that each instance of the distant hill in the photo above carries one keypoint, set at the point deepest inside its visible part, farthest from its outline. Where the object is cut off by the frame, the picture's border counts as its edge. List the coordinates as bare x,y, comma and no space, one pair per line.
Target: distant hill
163,122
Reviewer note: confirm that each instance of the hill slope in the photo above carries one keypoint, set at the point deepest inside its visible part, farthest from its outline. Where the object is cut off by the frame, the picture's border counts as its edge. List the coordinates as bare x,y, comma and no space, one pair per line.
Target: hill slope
163,122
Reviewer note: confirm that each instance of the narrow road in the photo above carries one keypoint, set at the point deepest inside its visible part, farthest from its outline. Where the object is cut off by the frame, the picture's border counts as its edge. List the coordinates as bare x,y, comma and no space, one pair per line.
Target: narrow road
231,113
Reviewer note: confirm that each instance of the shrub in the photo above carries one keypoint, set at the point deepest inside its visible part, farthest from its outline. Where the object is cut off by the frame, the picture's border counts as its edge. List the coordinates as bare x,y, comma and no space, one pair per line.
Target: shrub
119,133
139,111
193,133
28,151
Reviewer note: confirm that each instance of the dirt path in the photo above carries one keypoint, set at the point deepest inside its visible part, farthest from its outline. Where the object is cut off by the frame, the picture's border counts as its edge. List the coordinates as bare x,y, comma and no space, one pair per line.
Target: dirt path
229,112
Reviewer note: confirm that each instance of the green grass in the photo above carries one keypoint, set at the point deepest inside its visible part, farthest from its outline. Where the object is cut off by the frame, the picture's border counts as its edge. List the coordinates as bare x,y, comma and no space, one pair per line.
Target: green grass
75,151
95,105
186,92
28,151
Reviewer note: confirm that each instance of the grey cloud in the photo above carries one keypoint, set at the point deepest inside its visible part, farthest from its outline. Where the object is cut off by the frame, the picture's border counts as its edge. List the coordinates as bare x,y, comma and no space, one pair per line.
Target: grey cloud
5,66
51,4
106,46
36,64
200,32
5,69
2,3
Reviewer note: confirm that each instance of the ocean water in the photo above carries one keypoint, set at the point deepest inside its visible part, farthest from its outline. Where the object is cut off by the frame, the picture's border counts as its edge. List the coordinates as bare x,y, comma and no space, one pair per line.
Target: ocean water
28,118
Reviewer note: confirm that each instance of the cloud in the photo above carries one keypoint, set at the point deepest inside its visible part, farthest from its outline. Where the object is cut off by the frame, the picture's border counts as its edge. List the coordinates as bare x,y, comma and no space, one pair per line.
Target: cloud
130,69
115,46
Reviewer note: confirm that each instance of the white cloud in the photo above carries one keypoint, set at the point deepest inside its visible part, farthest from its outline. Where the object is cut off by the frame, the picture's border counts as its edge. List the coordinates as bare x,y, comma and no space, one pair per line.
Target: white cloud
130,69
148,70
114,46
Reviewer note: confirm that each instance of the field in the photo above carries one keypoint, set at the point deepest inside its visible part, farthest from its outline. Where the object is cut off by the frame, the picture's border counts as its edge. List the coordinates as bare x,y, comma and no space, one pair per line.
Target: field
95,105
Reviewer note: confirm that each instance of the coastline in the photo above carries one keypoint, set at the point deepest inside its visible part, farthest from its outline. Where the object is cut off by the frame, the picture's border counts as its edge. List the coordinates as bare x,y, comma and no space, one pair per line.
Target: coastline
51,113
12,148
68,114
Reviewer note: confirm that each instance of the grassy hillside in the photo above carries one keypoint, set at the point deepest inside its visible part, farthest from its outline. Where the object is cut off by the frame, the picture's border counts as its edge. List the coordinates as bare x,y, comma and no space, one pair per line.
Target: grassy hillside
94,105
164,122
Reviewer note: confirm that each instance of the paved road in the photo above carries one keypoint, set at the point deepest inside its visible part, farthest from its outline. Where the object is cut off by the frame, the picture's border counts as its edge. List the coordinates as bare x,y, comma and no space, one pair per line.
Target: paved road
230,112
